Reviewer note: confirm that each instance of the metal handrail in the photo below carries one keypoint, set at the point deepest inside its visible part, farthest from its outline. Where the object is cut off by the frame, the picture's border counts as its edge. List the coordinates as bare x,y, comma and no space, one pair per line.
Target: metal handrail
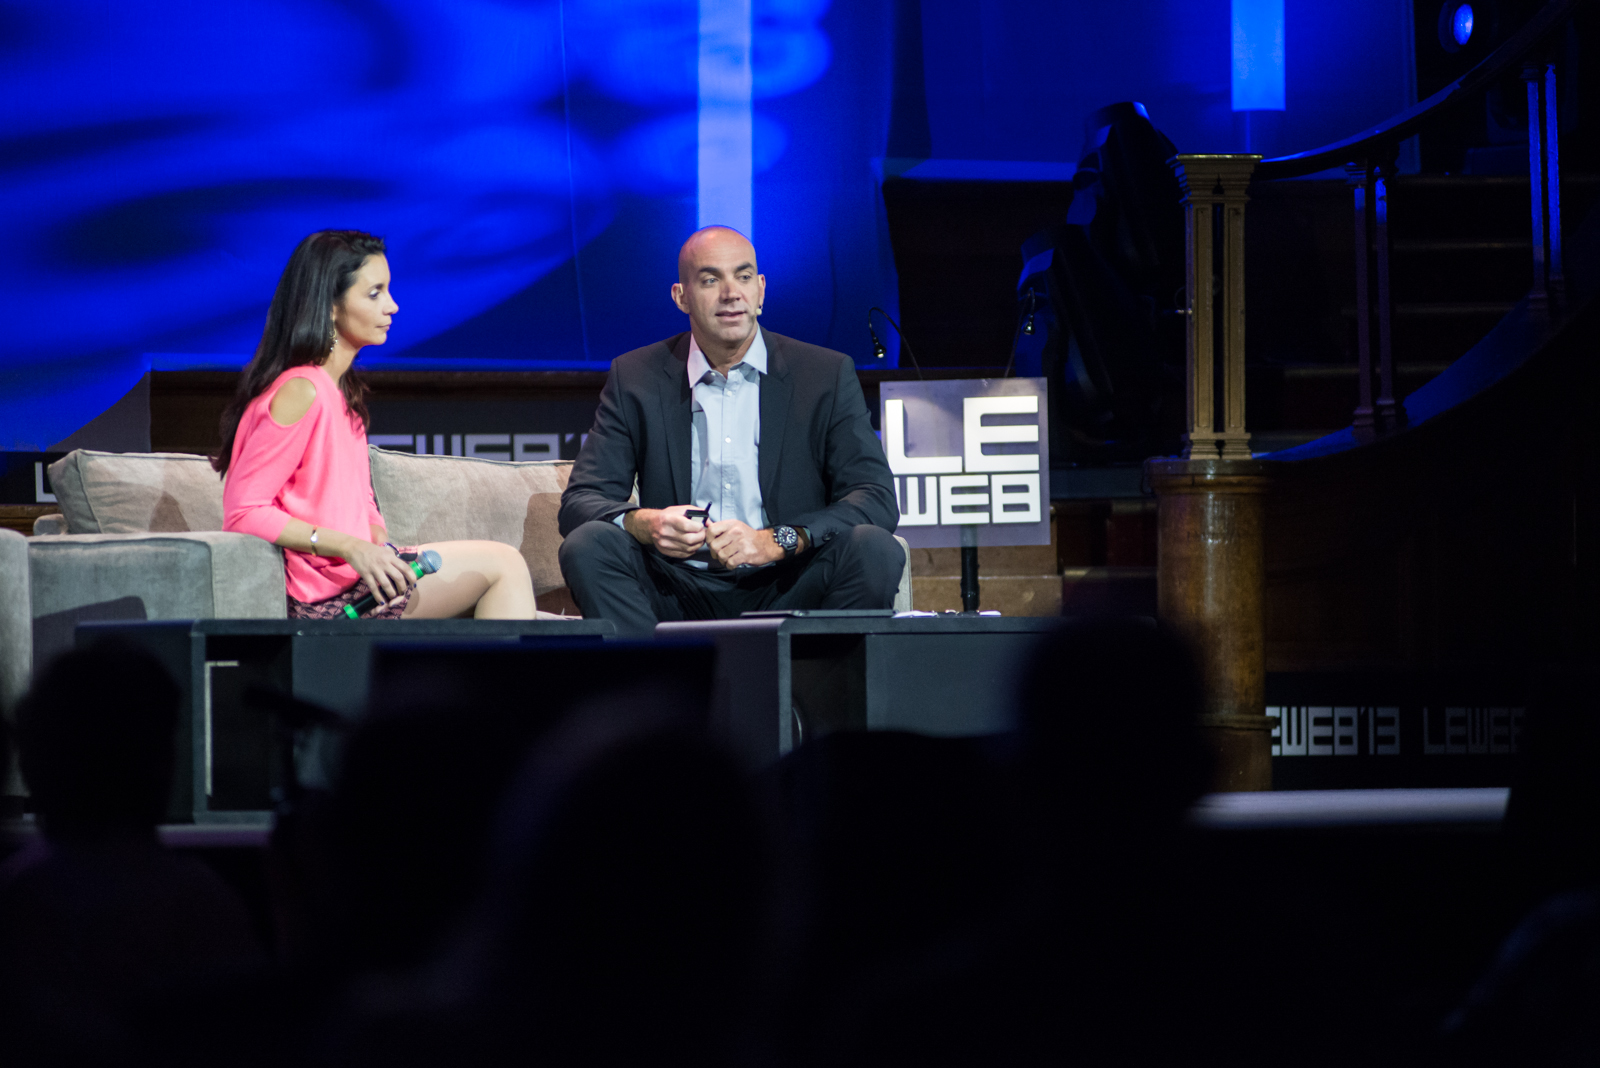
1382,140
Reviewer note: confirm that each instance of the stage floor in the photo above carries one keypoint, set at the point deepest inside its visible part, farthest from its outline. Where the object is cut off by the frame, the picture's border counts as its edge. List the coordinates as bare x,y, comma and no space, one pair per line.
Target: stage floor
1286,809
1466,808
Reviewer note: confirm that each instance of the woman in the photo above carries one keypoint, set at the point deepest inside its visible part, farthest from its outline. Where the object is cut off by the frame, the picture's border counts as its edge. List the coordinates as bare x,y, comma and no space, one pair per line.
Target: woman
294,454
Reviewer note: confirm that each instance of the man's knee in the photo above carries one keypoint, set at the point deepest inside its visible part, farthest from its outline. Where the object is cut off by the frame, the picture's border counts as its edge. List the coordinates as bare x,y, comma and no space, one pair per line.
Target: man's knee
592,544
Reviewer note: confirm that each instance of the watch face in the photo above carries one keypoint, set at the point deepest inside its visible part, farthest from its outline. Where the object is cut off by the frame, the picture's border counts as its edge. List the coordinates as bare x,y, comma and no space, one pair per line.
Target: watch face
788,538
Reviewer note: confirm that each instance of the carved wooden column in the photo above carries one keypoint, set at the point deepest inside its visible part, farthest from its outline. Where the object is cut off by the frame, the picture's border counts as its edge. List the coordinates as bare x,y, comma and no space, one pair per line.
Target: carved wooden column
1210,563
1214,196
1210,577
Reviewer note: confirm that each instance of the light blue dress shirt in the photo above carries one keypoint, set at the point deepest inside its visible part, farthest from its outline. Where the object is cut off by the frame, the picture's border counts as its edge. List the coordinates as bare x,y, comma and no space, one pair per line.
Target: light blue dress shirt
725,440
724,447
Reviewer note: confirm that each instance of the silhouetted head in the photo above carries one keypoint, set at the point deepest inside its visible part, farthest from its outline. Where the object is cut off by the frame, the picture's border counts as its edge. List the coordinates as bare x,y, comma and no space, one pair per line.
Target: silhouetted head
630,891
406,831
95,741
1107,717
1553,815
312,291
891,843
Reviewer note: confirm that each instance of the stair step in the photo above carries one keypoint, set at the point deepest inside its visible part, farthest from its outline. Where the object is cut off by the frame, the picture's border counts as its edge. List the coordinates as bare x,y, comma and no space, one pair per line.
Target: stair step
1445,309
1478,275
1430,207
1403,369
1421,244
1307,400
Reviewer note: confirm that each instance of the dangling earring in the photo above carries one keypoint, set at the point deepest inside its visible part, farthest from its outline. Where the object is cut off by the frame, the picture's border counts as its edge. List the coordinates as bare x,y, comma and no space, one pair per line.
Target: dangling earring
333,339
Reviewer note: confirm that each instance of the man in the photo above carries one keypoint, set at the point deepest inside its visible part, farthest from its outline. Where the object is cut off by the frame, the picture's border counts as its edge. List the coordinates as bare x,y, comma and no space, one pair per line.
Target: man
770,436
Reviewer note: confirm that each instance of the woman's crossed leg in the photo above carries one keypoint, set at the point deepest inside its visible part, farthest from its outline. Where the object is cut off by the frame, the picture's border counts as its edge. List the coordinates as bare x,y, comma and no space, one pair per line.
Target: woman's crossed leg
486,578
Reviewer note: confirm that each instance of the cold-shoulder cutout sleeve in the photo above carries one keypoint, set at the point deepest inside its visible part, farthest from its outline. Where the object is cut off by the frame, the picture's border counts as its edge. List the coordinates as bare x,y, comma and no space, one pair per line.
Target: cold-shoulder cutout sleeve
292,401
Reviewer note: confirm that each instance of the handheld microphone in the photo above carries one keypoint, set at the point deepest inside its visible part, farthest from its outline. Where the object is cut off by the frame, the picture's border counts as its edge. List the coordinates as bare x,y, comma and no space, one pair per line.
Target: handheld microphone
424,563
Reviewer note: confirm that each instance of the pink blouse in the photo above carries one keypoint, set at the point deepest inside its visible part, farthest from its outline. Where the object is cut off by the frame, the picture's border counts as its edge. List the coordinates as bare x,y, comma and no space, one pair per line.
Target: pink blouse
317,470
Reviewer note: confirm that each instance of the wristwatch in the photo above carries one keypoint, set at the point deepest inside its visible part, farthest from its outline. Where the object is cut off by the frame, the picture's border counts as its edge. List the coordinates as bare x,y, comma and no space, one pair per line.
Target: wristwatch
787,537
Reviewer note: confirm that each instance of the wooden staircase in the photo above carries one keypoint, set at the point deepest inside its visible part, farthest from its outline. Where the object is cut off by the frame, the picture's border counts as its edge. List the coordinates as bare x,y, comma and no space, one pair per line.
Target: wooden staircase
1445,532
1460,260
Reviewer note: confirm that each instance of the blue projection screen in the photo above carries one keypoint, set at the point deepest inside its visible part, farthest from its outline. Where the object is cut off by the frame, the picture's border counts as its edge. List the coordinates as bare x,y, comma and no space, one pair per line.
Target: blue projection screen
533,165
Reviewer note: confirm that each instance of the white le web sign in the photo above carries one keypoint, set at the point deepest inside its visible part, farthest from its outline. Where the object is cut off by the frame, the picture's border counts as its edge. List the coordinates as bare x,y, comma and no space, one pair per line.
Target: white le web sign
969,455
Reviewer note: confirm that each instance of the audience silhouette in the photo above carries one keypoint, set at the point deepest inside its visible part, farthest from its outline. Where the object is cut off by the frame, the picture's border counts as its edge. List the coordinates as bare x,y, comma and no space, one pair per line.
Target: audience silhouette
1089,939
625,922
598,882
623,917
1539,1004
97,919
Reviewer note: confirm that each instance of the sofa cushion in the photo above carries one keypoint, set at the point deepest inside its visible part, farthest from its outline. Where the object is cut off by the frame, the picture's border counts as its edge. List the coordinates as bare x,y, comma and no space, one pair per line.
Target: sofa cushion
137,493
447,498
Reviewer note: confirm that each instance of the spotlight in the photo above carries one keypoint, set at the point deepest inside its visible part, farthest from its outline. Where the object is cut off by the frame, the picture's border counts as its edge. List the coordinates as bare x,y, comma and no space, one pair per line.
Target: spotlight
1455,25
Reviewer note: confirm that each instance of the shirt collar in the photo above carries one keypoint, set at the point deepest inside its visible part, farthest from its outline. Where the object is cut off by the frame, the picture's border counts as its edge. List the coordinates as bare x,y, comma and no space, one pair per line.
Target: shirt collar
755,358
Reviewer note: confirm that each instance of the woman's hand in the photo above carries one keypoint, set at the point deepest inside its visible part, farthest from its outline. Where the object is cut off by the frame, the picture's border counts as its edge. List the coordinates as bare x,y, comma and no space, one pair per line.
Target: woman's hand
385,574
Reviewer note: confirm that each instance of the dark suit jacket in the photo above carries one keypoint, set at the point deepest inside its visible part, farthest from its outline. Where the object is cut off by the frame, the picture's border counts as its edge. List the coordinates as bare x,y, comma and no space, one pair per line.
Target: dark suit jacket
820,464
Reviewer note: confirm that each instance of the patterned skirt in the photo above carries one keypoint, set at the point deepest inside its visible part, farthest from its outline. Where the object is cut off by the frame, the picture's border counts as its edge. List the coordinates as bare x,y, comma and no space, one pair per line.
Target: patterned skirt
333,607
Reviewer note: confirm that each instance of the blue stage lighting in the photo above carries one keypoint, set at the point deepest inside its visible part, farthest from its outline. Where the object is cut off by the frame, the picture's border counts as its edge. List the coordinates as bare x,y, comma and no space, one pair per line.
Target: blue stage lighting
160,150
1258,64
1456,24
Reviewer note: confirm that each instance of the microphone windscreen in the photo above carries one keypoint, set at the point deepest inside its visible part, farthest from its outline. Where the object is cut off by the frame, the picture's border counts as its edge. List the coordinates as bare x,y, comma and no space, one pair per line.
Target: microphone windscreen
429,560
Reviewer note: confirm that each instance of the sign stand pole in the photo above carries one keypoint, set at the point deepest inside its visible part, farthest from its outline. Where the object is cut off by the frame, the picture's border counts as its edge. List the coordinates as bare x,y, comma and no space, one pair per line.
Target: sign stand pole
969,570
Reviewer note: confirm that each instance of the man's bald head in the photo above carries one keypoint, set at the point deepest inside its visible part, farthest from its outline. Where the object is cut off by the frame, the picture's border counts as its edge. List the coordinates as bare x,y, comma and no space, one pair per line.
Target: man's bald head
708,242
721,290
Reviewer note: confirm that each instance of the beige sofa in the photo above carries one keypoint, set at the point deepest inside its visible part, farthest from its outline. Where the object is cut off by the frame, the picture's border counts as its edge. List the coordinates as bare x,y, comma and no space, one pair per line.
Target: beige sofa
139,536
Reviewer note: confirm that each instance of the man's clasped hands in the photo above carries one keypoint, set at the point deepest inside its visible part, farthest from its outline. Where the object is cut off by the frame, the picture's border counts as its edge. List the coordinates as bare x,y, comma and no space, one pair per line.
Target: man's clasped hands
674,533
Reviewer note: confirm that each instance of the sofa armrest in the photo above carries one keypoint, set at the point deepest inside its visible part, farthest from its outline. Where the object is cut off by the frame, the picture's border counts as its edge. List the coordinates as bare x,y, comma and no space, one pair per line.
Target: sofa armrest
902,596
16,642
16,619
198,575
54,523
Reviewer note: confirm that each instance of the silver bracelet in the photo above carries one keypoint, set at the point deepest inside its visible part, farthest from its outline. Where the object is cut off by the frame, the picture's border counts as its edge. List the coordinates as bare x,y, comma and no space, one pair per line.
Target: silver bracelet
314,532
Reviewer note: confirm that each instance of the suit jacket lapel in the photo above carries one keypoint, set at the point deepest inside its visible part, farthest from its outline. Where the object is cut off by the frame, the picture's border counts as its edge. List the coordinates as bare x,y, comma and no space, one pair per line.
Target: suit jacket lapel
677,409
776,391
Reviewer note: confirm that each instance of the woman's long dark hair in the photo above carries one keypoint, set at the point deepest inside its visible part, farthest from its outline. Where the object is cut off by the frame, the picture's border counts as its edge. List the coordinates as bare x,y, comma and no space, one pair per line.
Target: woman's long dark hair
298,330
